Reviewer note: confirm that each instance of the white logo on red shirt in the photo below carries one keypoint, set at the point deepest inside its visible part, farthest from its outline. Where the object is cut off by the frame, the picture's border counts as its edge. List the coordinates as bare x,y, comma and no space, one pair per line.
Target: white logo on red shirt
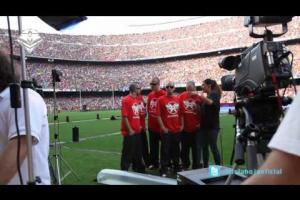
135,108
190,105
153,104
172,107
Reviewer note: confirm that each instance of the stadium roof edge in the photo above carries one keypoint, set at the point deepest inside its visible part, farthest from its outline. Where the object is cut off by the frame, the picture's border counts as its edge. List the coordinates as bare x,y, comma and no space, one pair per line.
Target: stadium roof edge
86,28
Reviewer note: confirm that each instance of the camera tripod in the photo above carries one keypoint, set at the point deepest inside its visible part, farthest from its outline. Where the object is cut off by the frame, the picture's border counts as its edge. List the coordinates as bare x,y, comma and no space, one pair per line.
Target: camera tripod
57,158
250,140
56,169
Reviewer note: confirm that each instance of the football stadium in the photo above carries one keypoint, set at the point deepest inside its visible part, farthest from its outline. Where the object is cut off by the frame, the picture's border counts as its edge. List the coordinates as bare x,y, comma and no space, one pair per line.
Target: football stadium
83,80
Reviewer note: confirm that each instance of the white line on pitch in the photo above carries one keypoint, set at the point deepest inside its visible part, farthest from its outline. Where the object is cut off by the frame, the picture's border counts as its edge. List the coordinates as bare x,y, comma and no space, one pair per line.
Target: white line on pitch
91,137
87,120
93,150
99,136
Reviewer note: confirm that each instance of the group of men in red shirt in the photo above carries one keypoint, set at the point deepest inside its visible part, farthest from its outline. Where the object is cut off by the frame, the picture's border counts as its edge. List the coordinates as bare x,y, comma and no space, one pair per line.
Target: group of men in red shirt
173,121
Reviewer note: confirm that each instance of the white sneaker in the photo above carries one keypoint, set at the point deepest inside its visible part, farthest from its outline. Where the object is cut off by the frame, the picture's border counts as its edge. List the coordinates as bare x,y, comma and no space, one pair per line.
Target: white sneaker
152,167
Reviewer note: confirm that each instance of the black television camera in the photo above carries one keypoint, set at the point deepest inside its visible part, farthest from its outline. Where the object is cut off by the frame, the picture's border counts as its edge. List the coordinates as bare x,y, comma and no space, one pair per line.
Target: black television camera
38,88
56,75
260,71
257,66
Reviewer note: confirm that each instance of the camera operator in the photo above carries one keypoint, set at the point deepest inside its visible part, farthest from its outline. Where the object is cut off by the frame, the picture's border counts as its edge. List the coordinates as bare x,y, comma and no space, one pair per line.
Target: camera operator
285,155
210,123
8,131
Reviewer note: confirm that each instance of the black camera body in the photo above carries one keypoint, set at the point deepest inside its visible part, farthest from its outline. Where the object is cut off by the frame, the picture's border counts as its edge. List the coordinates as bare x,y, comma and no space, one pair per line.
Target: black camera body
253,74
264,21
56,75
36,87
256,68
260,71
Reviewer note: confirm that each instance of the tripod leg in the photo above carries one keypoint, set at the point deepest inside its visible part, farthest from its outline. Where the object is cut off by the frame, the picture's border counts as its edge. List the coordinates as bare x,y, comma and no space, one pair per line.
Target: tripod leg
57,169
260,159
230,177
69,167
221,145
65,176
52,173
232,156
251,155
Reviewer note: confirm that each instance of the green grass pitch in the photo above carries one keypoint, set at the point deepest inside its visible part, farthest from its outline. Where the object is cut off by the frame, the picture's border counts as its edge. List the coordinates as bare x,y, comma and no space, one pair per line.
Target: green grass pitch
101,142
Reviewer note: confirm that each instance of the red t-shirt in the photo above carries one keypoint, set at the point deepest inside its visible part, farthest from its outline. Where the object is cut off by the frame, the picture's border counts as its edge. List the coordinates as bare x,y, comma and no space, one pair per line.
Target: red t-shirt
190,112
169,110
130,109
142,111
151,108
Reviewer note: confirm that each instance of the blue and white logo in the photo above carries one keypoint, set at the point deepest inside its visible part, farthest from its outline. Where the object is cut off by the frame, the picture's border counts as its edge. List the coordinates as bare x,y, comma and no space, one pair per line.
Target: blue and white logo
29,39
214,170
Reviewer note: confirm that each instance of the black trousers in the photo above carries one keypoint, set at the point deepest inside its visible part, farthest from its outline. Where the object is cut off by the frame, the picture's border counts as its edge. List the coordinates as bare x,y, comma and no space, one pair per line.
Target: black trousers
132,154
145,148
189,142
154,139
170,151
208,138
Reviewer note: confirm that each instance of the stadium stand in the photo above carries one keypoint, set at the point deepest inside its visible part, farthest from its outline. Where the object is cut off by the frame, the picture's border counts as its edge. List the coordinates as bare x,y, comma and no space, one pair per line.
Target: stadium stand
106,63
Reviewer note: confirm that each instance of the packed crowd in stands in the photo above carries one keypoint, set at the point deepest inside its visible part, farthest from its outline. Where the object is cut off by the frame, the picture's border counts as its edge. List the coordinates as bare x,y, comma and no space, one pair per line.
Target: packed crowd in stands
107,103
221,34
225,33
91,103
117,77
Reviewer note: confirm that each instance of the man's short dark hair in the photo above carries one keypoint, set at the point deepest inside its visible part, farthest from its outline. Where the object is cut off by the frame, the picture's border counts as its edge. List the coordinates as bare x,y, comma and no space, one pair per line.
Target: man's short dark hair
6,75
133,87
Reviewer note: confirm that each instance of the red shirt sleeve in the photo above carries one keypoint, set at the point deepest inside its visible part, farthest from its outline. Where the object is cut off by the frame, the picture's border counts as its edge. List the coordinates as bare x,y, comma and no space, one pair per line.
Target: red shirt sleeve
125,110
